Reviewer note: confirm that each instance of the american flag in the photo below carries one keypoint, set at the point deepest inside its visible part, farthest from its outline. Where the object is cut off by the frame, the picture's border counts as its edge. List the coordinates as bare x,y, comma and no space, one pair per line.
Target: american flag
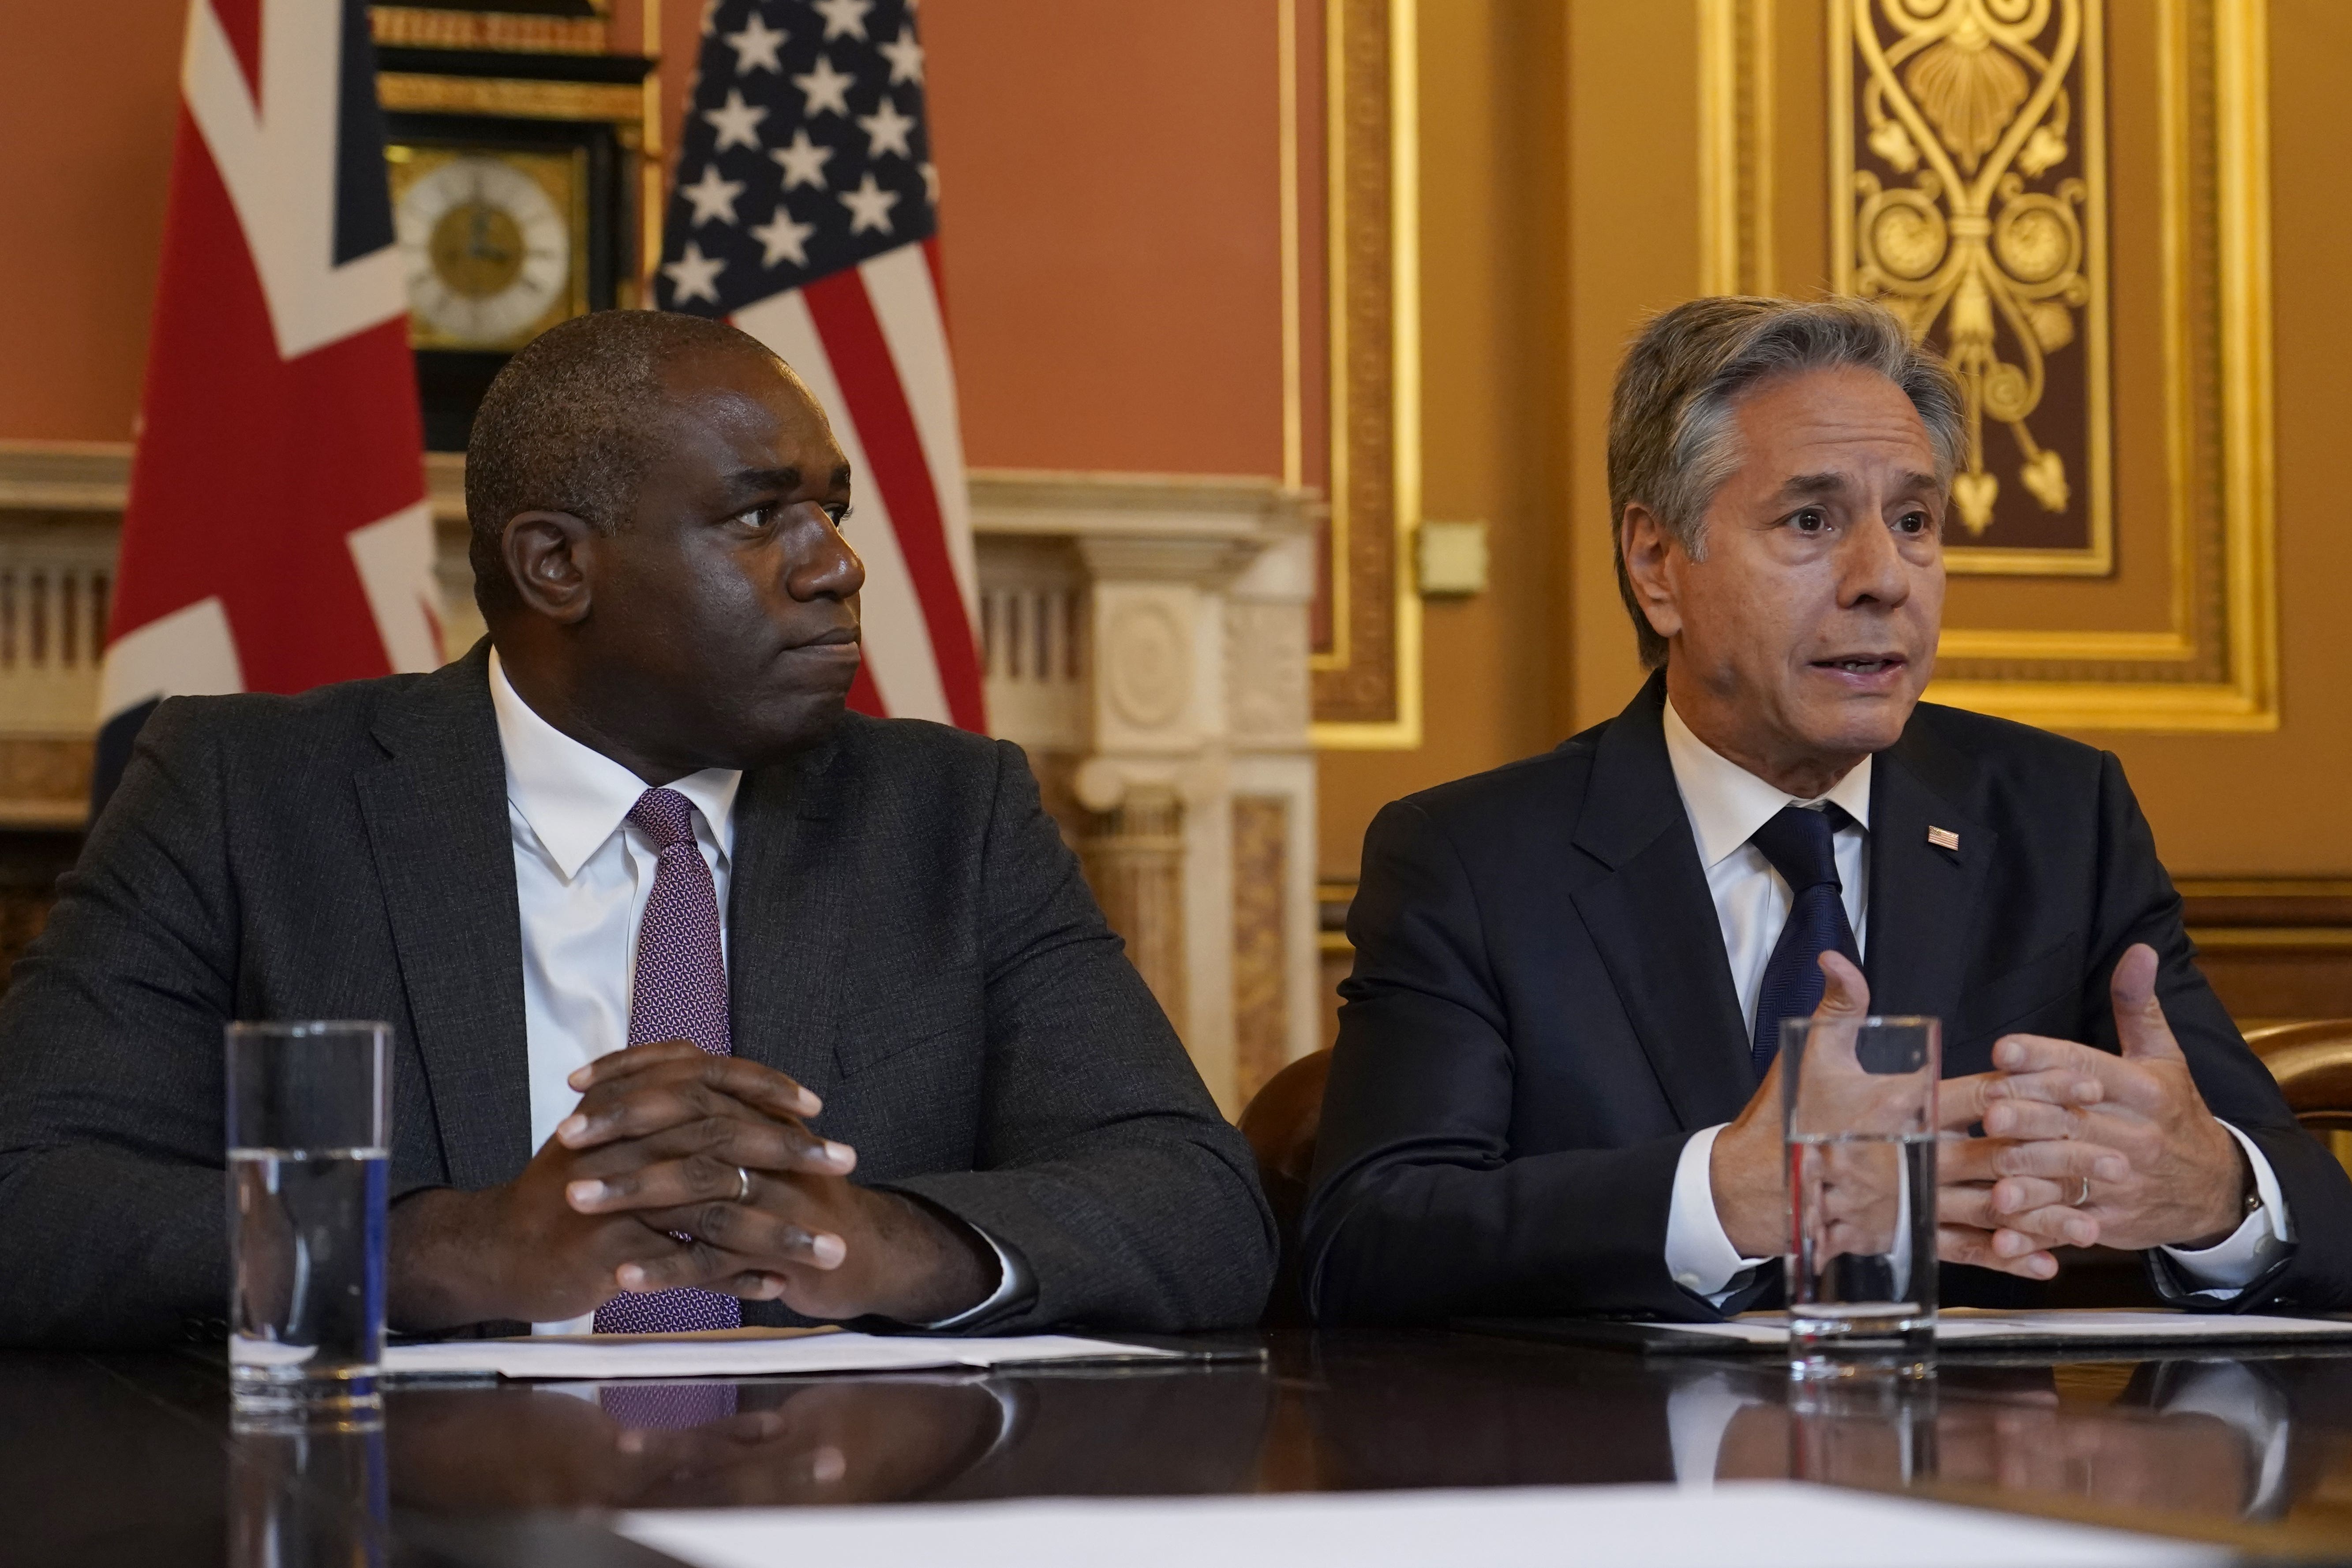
277,536
805,212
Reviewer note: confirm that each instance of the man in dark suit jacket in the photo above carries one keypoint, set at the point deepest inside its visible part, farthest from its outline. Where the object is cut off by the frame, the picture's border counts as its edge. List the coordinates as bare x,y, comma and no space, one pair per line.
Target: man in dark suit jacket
1556,1088
914,983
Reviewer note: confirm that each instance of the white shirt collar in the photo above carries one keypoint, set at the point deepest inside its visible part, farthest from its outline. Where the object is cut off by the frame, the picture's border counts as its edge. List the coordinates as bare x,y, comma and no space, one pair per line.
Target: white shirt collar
1727,803
575,797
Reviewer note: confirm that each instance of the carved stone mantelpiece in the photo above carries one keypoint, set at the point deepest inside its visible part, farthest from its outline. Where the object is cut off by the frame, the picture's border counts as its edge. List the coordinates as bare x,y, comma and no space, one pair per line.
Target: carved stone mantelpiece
1190,766
1145,641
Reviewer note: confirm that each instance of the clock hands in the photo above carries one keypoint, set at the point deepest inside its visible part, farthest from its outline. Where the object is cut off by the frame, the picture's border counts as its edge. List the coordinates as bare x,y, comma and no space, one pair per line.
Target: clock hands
479,246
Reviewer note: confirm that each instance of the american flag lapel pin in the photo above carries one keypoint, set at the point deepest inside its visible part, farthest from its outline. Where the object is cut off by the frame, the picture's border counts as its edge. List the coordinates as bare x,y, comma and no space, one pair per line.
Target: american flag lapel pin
1944,839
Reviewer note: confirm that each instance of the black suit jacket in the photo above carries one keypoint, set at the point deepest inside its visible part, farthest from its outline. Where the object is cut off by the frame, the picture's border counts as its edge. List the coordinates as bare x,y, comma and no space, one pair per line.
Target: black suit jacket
1541,1011
907,936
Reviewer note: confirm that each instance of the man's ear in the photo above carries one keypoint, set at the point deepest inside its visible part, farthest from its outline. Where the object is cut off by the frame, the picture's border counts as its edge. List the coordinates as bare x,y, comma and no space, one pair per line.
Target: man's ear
1647,543
548,555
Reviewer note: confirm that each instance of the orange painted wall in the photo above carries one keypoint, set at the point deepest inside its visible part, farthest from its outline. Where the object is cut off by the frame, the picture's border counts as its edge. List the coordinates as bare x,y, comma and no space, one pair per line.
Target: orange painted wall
1109,224
1110,235
89,95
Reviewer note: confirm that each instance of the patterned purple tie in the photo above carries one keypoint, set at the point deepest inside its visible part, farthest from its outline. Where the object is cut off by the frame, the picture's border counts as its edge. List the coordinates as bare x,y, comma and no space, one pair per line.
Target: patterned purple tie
680,993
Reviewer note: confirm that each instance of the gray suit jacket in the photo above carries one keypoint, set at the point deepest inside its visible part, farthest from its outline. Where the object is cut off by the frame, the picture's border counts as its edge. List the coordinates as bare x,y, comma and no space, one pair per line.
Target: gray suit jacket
909,937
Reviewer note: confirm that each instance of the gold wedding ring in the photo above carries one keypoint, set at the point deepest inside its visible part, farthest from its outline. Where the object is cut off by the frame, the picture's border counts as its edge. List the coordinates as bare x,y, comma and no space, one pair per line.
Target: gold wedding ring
743,1193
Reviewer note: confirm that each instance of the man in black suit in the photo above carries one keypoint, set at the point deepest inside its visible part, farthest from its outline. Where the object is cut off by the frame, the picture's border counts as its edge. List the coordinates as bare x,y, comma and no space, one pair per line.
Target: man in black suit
670,944
1555,1088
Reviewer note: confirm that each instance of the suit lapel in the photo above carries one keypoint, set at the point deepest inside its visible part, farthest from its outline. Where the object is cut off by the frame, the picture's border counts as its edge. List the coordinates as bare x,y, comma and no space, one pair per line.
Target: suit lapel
437,819
790,906
1655,923
1923,897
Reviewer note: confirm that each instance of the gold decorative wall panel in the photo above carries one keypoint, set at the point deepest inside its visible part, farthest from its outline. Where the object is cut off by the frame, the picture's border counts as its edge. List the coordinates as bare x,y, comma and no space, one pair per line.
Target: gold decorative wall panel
2070,197
1969,179
1361,133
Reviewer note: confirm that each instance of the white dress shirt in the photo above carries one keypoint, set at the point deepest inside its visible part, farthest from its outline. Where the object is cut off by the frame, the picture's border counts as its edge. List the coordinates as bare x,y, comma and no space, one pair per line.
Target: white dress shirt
1725,804
583,873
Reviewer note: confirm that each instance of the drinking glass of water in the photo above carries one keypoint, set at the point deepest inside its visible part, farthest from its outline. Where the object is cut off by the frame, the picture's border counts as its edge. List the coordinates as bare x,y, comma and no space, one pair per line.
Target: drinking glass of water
1859,1094
309,1148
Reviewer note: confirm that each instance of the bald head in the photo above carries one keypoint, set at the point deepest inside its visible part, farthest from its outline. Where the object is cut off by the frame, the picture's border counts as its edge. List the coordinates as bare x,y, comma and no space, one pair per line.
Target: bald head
568,426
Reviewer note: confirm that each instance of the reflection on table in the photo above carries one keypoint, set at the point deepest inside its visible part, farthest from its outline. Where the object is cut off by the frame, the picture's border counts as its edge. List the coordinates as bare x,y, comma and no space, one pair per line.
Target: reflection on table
2246,1439
2207,1438
132,1458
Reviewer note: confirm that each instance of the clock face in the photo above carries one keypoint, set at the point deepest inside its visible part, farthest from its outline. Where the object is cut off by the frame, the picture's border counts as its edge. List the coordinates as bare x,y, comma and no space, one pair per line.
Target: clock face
487,252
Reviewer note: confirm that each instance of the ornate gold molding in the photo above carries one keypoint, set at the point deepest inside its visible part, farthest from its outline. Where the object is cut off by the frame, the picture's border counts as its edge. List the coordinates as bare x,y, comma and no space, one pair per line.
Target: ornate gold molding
431,27
1294,392
1735,139
619,103
2215,667
1982,220
1368,685
2211,662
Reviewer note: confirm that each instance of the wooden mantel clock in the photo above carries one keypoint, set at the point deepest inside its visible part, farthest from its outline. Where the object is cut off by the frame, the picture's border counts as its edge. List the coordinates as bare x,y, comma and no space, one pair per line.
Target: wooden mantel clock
520,148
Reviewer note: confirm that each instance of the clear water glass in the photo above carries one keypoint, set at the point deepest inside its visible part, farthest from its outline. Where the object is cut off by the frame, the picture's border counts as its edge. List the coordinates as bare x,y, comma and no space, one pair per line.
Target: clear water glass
1860,1097
310,1136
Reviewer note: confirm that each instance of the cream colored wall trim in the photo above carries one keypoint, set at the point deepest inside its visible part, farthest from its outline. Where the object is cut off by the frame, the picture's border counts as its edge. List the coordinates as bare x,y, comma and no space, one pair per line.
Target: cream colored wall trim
64,475
1038,501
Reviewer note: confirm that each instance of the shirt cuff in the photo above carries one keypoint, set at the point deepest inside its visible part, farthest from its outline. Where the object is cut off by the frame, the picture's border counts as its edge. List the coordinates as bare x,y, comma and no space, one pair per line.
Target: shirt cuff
1012,1283
1700,1255
2238,1259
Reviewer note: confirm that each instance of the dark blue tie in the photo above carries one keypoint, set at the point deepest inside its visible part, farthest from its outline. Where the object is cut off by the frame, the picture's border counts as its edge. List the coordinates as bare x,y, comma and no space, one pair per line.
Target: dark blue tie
1800,845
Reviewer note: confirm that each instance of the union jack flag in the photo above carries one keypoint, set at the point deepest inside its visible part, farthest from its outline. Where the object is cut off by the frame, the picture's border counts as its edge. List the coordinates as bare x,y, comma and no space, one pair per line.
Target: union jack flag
277,536
806,213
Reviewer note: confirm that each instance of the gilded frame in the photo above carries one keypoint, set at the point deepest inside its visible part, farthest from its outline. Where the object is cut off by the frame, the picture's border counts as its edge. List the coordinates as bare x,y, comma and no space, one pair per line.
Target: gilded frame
1367,686
2214,665
2096,558
1736,81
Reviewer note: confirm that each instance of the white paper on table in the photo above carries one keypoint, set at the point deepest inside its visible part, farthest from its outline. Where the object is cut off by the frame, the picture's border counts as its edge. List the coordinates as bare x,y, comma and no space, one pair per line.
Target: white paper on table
587,1358
2104,1325
1755,1524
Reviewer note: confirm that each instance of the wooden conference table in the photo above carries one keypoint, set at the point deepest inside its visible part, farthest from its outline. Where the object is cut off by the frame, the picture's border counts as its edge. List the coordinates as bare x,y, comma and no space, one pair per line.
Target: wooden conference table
130,1459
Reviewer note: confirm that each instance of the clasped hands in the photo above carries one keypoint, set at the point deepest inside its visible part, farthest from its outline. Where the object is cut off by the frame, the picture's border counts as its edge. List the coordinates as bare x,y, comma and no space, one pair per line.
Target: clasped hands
2079,1146
668,1141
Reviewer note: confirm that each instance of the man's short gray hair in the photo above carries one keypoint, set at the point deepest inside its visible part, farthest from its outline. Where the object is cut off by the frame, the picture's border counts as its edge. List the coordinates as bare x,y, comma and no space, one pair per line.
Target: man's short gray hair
1672,438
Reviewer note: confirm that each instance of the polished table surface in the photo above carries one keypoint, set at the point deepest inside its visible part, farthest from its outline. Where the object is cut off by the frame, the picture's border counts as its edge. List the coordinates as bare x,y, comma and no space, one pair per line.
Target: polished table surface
132,1458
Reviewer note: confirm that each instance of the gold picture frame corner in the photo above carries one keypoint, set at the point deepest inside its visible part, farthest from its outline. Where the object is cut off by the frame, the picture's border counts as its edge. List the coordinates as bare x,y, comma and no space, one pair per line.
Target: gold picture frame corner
1404,732
2144,708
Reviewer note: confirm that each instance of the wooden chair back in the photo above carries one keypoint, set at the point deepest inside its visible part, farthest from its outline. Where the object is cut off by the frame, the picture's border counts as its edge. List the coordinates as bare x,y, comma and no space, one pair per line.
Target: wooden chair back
1280,1123
2313,1063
